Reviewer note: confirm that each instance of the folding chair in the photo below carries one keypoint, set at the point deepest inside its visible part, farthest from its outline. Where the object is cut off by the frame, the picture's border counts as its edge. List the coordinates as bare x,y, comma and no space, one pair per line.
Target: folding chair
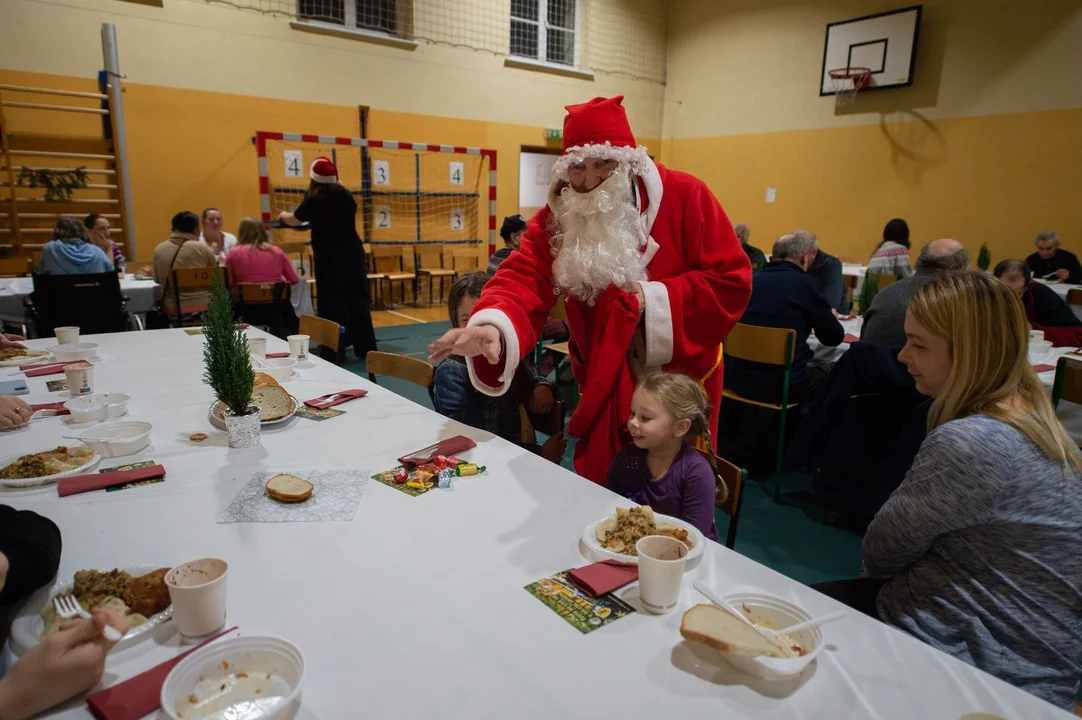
324,333
267,305
394,258
734,479
92,302
464,260
1068,383
375,291
422,255
1074,296
188,279
885,280
405,368
14,266
770,346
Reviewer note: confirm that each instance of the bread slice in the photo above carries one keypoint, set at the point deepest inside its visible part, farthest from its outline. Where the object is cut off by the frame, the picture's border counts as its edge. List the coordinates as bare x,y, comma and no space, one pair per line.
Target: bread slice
273,402
717,628
262,379
289,488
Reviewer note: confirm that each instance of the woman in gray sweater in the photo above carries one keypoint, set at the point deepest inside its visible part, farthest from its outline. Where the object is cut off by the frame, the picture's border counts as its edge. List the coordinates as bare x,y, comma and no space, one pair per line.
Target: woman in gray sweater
980,547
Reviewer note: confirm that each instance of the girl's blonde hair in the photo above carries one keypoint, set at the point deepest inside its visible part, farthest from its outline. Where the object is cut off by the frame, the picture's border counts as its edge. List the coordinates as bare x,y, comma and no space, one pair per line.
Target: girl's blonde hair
251,232
684,399
987,334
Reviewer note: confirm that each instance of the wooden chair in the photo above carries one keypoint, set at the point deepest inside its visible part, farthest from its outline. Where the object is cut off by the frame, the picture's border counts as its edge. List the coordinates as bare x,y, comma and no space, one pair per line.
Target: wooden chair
405,368
394,269
1074,296
464,260
267,305
1068,383
14,266
422,256
375,279
324,333
187,279
770,346
885,280
733,478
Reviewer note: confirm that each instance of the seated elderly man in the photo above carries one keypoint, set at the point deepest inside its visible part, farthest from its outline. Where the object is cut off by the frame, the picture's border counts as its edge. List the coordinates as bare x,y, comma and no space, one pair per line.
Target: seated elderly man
826,270
884,322
783,295
1045,309
758,260
1052,263
71,253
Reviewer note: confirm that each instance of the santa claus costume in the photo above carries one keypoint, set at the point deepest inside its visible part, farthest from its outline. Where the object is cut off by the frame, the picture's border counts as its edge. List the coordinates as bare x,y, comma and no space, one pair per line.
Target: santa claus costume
660,229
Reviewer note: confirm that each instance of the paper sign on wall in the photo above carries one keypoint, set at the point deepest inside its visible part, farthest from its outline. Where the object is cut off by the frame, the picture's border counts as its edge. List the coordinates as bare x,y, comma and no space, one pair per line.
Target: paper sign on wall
458,219
383,216
457,171
381,173
294,163
771,193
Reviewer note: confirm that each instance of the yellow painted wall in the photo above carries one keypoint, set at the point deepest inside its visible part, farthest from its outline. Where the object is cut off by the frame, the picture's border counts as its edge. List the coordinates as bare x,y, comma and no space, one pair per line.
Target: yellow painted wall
985,146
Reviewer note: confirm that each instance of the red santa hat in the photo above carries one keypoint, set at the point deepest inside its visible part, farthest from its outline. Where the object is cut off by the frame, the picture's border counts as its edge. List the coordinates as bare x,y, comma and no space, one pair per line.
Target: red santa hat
323,171
599,128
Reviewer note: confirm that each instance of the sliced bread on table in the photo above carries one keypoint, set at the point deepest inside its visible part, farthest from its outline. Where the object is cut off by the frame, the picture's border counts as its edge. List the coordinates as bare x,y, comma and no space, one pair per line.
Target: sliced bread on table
719,629
289,488
273,402
262,379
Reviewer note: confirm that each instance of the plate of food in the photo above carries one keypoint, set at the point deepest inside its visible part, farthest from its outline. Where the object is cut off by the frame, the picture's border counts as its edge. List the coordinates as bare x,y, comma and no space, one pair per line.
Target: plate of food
137,592
13,356
614,536
46,466
275,404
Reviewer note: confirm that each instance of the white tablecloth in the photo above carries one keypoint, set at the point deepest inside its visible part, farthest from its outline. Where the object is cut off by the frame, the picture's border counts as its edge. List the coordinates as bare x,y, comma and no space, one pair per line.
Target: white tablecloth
141,294
416,608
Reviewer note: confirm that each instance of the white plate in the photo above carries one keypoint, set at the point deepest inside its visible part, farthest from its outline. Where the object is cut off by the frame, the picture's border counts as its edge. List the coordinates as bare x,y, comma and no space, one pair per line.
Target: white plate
28,624
45,479
32,356
216,418
589,538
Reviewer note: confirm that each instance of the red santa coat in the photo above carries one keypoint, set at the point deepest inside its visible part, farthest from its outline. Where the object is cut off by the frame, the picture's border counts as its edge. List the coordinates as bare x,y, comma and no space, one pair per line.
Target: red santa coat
699,282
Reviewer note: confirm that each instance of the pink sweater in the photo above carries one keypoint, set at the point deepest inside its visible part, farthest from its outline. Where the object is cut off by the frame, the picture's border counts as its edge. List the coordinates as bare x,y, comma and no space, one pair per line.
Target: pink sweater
265,265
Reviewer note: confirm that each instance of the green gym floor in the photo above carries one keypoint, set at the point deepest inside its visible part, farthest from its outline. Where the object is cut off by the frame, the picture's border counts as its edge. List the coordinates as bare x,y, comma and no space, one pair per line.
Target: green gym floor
788,539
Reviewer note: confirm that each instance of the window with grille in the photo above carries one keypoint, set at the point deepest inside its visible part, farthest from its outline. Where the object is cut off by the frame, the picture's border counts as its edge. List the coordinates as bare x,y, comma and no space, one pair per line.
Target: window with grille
377,15
544,30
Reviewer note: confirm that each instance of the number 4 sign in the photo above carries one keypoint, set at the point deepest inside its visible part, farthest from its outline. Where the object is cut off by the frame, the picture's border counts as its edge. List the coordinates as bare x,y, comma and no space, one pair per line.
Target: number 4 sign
294,161
457,171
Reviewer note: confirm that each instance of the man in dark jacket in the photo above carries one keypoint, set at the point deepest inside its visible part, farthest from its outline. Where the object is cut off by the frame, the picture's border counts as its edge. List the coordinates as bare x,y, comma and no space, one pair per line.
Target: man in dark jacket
758,260
1051,263
783,295
1045,310
826,270
512,230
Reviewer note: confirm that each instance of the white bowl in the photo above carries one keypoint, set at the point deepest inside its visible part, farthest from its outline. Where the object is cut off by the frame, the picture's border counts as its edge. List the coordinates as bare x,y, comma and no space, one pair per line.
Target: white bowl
100,406
277,368
74,351
1039,347
774,613
118,439
201,675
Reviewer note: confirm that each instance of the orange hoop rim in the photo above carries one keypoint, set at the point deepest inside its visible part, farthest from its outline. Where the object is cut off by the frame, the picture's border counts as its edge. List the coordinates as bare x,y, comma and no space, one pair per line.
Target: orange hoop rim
861,76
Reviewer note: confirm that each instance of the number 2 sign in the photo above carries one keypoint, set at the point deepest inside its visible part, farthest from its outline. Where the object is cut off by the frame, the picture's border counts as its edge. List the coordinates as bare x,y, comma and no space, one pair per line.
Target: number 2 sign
383,216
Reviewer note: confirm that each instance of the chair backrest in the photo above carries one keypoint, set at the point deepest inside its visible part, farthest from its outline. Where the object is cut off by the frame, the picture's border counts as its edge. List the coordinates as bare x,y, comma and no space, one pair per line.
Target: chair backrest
405,368
1074,296
885,280
1068,383
733,477
197,278
427,257
551,422
772,346
389,256
464,259
93,302
559,310
322,331
16,266
261,293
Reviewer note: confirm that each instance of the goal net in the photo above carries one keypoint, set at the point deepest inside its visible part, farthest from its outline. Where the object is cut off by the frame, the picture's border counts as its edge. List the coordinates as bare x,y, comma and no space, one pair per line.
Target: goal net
431,197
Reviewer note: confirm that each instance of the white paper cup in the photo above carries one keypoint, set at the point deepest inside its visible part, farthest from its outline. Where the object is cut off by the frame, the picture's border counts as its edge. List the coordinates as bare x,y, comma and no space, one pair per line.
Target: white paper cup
661,568
67,335
298,346
1036,335
257,347
80,379
197,590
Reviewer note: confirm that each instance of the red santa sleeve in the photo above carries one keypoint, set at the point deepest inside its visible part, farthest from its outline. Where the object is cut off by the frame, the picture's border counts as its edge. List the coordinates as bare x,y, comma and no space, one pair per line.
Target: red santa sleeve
689,315
516,301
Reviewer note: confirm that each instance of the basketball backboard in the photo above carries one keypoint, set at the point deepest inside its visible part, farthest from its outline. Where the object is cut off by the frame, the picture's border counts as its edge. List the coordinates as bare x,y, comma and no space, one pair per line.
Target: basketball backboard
885,43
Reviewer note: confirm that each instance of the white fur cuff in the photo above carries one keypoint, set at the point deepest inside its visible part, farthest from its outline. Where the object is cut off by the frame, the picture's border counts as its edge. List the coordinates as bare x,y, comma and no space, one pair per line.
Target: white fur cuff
499,320
636,158
658,325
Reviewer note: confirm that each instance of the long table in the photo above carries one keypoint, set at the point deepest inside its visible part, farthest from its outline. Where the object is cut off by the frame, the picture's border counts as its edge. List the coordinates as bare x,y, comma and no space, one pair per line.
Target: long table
416,608
141,293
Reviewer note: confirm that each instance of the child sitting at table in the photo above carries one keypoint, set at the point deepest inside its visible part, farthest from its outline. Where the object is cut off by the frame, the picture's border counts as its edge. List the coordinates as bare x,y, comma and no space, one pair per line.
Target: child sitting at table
454,396
669,416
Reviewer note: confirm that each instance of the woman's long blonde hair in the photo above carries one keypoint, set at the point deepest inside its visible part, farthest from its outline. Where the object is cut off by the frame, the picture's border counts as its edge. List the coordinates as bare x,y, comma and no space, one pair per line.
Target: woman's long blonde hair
987,334
252,233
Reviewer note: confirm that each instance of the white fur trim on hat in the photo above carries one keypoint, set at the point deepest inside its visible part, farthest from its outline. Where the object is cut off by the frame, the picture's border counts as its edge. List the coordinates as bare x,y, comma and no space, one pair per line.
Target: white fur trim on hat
636,158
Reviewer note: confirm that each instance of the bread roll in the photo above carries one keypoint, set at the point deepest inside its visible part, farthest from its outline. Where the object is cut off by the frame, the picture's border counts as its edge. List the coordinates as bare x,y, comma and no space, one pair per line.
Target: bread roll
719,629
273,402
289,488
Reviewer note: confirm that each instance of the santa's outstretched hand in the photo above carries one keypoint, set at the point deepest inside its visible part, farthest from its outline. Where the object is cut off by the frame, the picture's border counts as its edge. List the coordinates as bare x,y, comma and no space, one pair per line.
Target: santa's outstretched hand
467,342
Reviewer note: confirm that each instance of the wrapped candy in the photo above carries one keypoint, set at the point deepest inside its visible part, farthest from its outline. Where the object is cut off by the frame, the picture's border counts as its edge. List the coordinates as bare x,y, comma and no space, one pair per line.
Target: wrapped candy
445,478
443,461
401,475
465,469
430,469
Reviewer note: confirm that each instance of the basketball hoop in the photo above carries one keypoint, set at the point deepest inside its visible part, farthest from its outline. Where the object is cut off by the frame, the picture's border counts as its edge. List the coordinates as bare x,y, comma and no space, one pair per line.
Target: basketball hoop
847,82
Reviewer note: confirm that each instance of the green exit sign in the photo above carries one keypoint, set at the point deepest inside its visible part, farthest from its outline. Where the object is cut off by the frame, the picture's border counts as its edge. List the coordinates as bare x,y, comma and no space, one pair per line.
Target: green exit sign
551,134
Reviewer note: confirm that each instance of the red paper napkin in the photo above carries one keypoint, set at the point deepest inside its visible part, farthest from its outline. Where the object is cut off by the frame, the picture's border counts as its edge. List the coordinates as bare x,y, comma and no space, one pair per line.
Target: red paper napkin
87,483
320,403
851,338
140,695
450,446
58,406
53,369
604,577
1043,368
272,356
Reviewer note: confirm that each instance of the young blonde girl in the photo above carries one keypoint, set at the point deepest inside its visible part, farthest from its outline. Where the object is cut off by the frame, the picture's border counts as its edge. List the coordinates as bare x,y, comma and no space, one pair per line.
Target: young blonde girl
662,468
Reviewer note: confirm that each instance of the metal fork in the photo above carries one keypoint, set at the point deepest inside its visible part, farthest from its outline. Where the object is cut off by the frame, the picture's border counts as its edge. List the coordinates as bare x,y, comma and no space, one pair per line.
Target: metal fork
68,607
47,412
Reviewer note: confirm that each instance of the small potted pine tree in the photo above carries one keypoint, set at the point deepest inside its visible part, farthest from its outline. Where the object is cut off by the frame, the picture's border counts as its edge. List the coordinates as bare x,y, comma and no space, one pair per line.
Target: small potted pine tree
984,257
228,370
868,290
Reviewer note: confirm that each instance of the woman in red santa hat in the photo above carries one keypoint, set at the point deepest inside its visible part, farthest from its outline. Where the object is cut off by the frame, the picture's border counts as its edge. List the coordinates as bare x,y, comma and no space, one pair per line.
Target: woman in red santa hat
652,274
341,272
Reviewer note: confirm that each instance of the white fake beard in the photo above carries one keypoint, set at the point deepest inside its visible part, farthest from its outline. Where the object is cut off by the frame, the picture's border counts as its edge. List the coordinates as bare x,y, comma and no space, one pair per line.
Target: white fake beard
596,239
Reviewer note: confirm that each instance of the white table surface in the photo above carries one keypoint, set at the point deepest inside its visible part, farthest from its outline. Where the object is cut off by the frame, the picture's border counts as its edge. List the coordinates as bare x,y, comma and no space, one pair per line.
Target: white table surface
141,294
416,608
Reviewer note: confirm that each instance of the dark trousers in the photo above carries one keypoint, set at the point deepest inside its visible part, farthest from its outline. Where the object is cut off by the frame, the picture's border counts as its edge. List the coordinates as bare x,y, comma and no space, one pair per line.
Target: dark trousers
349,307
859,593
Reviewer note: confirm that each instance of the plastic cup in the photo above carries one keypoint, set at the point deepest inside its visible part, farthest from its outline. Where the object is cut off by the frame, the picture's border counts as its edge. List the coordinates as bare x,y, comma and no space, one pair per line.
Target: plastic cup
80,379
67,335
197,590
257,347
661,568
1036,335
298,347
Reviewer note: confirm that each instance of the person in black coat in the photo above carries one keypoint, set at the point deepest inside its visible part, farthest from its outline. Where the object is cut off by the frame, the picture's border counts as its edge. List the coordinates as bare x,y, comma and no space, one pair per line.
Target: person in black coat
826,270
29,553
1051,263
1045,309
758,260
